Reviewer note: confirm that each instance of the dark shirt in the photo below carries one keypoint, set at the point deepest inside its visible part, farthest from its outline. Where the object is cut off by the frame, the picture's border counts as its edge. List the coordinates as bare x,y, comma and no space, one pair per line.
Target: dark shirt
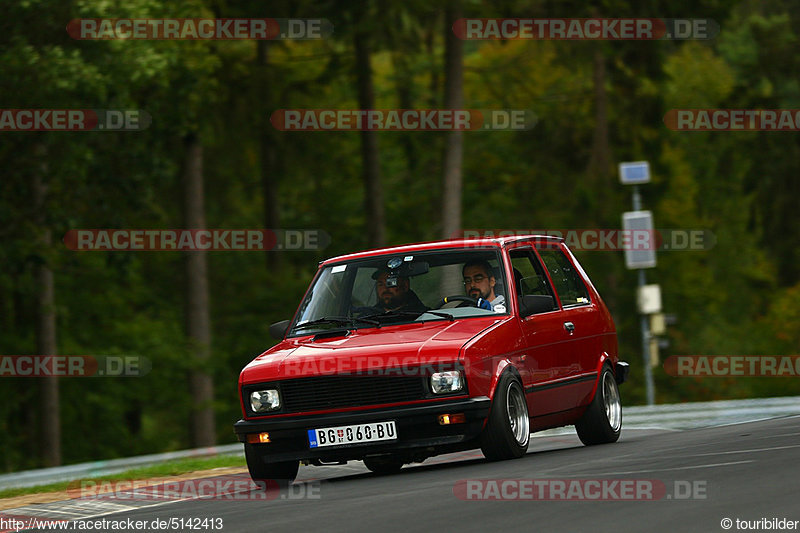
411,303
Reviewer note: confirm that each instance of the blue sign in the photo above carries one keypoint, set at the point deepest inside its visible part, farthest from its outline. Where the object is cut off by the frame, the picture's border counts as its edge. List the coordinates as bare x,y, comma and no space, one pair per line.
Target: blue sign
634,172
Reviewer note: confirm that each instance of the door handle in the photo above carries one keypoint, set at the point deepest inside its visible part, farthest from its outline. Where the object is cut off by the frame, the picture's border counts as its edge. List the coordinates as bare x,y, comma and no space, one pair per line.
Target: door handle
570,327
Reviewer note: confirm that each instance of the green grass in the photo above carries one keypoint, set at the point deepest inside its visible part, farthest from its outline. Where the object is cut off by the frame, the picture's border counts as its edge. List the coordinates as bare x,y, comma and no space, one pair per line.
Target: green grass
170,468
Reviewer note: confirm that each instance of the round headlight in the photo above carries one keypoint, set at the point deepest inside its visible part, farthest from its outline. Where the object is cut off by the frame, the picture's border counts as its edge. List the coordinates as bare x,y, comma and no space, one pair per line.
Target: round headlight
264,400
450,381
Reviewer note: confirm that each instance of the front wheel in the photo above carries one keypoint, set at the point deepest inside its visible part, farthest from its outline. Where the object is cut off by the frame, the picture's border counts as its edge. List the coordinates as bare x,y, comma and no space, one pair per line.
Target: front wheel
507,432
269,474
602,421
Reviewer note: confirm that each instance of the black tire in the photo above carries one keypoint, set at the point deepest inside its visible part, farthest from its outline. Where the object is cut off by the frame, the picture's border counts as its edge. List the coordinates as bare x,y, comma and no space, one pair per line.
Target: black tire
507,433
268,475
383,464
602,421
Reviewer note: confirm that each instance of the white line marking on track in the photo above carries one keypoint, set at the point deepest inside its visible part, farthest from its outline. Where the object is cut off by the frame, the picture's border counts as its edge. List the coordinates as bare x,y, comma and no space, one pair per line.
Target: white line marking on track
753,450
620,472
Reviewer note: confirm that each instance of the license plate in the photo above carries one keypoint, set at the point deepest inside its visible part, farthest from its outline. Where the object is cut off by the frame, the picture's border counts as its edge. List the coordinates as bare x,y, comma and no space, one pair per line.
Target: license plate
355,434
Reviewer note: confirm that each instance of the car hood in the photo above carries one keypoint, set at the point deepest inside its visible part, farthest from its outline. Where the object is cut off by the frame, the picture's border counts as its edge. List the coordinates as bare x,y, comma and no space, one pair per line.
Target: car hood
405,346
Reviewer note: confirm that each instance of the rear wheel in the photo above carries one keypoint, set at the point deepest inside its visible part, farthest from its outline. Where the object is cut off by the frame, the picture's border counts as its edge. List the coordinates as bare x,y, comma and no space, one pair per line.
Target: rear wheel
602,422
507,432
269,474
383,464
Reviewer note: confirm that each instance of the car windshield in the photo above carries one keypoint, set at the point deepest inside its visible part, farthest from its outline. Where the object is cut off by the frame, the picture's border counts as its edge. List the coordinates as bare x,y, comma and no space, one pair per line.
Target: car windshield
403,288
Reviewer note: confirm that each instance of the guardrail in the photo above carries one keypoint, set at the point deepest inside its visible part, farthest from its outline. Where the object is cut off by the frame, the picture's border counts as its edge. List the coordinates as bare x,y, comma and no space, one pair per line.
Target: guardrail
667,416
44,476
705,414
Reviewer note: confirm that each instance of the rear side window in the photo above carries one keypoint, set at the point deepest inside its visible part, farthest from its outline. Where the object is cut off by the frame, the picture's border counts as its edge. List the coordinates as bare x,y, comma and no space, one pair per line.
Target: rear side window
529,276
567,281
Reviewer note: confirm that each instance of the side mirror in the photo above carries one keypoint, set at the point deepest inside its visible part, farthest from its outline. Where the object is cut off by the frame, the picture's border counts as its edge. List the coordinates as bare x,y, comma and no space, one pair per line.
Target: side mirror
532,304
278,329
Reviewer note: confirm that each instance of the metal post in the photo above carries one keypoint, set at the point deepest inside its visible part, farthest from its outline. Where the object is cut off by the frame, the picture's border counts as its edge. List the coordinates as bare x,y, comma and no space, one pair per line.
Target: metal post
648,372
645,326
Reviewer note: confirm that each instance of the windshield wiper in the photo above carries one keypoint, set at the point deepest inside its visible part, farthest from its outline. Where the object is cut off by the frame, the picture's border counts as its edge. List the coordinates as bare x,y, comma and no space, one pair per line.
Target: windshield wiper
415,314
442,314
336,321
393,314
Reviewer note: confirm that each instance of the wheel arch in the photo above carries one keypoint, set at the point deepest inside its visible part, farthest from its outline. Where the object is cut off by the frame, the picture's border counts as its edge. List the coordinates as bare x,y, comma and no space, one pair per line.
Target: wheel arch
604,361
503,366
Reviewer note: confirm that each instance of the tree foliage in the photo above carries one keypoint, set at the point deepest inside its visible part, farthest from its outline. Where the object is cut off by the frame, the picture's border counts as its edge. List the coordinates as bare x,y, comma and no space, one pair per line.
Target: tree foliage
740,297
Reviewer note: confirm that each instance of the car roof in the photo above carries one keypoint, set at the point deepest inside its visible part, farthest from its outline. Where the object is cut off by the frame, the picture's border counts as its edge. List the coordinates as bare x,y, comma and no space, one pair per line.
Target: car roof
491,242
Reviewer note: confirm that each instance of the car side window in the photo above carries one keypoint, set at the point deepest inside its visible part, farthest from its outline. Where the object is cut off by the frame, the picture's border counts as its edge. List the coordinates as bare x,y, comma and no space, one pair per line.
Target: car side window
529,276
568,283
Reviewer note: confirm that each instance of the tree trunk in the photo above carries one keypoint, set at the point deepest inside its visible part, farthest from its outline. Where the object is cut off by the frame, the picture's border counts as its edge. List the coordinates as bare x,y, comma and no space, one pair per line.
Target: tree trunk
198,323
600,157
433,165
454,141
404,84
46,318
268,153
373,192
430,47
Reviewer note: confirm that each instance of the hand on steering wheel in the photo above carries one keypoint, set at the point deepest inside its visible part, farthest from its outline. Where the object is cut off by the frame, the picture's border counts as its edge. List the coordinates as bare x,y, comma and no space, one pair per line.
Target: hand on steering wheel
477,302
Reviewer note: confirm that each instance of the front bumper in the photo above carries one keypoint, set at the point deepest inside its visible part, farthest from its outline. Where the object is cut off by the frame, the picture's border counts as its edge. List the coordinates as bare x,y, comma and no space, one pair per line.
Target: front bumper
417,428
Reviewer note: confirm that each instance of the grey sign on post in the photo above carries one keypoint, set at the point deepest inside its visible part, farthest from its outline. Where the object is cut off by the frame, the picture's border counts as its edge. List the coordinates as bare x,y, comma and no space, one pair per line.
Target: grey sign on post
640,252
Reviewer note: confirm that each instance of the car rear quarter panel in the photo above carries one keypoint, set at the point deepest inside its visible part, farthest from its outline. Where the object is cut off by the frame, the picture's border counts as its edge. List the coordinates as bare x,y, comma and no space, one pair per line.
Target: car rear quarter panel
601,346
605,344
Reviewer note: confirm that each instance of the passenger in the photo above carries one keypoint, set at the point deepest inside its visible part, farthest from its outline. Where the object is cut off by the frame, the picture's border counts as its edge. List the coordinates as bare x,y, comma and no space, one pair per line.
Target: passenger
395,294
479,283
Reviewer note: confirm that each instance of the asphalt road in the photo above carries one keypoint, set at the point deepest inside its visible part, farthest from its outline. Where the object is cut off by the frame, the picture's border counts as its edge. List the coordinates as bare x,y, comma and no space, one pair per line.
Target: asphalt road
696,478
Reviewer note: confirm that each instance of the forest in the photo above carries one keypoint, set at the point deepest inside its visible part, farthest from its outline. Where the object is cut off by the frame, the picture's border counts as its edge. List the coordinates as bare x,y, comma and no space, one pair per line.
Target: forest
209,155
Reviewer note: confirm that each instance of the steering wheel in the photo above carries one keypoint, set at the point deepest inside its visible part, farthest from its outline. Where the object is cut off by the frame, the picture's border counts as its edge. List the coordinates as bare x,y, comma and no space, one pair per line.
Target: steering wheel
458,298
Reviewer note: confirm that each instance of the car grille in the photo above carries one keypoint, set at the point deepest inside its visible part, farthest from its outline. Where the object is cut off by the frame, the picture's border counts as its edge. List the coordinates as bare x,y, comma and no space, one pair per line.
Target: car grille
331,392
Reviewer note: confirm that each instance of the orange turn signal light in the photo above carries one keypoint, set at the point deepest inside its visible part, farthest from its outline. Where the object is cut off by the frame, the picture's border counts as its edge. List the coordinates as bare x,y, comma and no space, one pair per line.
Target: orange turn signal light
457,418
258,438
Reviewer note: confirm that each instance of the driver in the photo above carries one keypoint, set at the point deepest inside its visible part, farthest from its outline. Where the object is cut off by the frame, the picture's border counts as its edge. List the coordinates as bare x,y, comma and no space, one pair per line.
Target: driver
395,294
479,282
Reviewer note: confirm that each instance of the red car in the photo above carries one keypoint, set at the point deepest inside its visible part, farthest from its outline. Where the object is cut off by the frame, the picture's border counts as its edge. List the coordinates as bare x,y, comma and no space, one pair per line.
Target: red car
400,354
